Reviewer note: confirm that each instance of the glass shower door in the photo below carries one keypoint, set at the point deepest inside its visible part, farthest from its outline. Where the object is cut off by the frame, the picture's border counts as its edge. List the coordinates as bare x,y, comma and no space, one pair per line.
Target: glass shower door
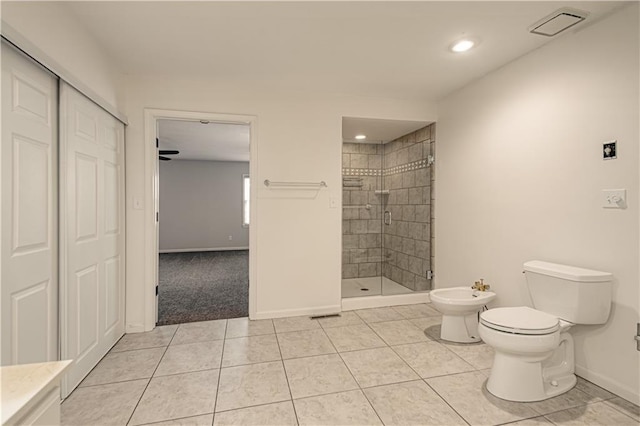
406,218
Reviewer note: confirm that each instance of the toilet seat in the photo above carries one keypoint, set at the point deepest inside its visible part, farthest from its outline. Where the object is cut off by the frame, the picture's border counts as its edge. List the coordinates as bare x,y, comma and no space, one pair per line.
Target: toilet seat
521,320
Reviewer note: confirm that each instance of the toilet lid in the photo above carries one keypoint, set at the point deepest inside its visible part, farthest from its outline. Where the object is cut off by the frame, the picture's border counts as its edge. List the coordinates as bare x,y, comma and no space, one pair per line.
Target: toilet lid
520,320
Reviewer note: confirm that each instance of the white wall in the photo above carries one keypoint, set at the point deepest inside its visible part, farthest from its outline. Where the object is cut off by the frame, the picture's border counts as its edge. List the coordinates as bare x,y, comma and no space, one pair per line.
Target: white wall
298,139
519,176
201,205
52,28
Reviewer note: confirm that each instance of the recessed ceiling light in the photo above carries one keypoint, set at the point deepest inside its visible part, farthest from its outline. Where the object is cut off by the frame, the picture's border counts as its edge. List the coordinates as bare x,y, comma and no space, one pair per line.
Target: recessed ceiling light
361,137
462,45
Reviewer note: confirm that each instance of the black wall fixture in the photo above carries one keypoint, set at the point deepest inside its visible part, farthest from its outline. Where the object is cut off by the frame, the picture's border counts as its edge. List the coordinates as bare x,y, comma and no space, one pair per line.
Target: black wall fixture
164,152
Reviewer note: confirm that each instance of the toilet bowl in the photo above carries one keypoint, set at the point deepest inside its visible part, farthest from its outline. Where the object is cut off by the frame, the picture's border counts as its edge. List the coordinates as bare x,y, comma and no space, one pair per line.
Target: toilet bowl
534,352
459,307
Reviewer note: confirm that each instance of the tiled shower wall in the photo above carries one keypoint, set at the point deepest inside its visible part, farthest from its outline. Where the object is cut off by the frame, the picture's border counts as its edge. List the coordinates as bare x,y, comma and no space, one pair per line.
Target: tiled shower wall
407,241
399,166
361,210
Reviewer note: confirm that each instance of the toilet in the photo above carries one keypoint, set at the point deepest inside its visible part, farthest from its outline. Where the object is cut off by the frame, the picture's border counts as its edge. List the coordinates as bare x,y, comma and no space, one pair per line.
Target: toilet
534,356
459,307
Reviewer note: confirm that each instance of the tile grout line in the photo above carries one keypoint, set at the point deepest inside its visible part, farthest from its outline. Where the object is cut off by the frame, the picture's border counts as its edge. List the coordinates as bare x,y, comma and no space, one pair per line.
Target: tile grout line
354,379
602,401
342,359
453,374
250,362
151,378
527,418
111,383
388,384
530,403
177,418
94,367
549,420
262,404
615,407
109,352
461,359
446,402
215,401
187,372
362,390
295,413
425,382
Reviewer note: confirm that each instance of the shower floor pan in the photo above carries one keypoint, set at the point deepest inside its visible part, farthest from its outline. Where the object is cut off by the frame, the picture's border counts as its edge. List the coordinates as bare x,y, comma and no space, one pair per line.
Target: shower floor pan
372,286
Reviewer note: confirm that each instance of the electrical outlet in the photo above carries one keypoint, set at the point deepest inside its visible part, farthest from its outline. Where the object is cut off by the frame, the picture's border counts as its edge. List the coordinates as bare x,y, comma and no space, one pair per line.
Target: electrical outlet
230,237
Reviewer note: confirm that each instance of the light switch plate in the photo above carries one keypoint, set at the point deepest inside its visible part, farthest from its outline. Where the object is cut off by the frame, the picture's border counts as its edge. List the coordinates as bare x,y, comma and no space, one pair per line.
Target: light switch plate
614,198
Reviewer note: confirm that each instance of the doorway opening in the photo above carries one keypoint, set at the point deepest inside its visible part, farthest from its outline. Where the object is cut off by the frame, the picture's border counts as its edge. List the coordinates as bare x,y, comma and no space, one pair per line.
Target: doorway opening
204,210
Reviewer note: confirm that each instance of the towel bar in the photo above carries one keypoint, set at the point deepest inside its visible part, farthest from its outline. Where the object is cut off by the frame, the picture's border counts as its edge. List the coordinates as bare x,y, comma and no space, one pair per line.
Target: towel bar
320,184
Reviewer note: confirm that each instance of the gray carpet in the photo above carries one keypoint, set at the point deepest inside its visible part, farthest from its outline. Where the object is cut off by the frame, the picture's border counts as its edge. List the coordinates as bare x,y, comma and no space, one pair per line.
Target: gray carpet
203,286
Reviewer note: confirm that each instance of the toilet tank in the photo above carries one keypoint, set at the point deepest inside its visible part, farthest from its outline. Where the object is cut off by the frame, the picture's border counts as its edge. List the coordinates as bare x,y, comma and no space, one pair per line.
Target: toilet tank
577,295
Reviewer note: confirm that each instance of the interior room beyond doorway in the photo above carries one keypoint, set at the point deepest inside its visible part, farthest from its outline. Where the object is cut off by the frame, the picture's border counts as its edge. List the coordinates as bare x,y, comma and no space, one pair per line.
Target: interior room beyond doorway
203,228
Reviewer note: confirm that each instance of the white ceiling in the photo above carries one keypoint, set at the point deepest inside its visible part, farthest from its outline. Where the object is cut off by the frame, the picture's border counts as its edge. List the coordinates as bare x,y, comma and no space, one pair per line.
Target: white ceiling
377,131
383,49
211,142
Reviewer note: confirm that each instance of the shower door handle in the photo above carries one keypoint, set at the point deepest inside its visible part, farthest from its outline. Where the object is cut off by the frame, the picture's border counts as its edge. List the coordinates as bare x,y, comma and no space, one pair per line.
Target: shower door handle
387,217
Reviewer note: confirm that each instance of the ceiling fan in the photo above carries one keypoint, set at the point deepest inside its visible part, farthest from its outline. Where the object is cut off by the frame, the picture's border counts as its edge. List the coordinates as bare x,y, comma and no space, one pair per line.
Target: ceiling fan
167,152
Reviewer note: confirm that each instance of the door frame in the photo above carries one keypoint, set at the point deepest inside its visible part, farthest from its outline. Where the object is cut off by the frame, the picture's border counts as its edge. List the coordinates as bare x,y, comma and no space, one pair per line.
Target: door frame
151,117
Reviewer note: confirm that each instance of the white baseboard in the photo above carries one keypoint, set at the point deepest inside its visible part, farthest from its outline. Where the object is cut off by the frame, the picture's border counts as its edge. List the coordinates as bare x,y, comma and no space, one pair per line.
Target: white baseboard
134,328
322,310
190,250
609,384
353,303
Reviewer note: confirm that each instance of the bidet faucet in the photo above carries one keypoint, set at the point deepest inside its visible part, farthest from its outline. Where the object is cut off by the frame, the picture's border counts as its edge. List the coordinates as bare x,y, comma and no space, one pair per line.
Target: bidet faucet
480,285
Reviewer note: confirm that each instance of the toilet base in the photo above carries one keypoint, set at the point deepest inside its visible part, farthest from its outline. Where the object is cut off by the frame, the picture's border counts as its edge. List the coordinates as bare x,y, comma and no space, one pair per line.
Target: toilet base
460,328
516,378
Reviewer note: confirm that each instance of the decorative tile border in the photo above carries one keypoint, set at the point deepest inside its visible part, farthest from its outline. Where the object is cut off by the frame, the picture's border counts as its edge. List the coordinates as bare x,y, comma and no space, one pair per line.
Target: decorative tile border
414,165
361,172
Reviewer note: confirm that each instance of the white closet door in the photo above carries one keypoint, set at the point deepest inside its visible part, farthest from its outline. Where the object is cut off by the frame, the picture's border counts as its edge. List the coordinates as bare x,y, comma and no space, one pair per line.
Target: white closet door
92,233
29,204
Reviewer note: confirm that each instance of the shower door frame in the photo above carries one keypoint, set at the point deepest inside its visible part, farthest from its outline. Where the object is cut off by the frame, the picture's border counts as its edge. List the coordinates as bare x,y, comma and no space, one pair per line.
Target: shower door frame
382,300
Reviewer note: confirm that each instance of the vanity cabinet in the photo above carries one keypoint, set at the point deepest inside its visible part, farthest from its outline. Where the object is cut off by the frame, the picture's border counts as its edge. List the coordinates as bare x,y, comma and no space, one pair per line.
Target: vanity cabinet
31,393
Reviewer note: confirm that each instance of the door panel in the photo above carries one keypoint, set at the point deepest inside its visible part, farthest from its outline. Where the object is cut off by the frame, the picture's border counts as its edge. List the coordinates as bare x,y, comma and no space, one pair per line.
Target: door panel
112,306
92,245
29,313
111,185
31,98
29,211
86,196
87,310
31,186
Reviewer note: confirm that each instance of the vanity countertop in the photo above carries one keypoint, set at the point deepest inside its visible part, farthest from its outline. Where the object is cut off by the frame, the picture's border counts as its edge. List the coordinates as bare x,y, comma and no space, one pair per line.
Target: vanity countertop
22,386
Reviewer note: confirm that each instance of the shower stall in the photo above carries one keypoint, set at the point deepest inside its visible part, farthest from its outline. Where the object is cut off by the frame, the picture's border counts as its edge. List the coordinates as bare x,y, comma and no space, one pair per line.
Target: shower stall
387,216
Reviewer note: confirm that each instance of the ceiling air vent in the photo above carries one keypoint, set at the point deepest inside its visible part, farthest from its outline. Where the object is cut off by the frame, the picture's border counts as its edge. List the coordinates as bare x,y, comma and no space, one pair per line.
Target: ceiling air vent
558,21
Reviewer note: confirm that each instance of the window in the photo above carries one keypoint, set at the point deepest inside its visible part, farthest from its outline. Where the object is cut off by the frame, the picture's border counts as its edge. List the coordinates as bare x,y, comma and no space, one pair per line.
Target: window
246,185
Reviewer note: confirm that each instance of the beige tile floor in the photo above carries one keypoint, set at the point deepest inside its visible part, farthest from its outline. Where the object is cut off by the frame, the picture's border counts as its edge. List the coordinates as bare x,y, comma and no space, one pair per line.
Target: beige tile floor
368,367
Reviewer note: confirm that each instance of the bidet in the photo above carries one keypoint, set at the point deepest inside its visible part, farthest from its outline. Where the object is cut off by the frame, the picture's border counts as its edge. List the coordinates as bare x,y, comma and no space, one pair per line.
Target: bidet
459,307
